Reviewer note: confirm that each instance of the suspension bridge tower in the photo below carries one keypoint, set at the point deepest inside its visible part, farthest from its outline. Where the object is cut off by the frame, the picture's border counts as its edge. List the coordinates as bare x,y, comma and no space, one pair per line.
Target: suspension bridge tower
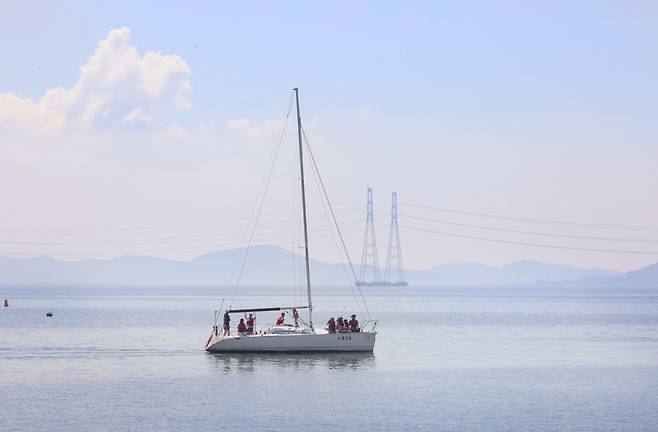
369,272
394,275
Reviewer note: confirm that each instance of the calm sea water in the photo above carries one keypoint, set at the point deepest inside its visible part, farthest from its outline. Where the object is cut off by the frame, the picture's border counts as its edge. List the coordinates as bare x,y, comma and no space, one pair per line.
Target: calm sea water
446,359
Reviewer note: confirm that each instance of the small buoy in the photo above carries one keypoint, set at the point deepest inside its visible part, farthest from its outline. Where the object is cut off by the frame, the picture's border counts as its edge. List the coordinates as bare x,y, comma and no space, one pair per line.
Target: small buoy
6,303
49,314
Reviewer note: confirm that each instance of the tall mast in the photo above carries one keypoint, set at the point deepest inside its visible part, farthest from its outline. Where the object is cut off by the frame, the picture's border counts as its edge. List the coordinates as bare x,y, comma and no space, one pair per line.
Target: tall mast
301,170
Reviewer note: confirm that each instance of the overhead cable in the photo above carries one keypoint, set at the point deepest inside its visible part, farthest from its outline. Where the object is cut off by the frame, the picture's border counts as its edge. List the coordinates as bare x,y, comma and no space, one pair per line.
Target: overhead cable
535,233
520,243
540,221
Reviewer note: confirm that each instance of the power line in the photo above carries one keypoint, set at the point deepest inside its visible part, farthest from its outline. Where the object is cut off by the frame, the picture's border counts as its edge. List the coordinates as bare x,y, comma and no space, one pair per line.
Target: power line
157,240
541,221
207,247
535,233
520,243
352,205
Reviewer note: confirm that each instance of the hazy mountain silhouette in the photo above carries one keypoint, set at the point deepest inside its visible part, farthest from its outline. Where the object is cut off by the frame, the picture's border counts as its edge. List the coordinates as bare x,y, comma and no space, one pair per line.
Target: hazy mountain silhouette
271,265
517,273
266,265
644,277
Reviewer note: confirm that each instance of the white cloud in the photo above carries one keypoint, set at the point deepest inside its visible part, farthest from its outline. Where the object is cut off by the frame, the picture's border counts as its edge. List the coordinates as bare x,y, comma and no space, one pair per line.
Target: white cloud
177,129
260,132
241,123
116,87
137,116
20,113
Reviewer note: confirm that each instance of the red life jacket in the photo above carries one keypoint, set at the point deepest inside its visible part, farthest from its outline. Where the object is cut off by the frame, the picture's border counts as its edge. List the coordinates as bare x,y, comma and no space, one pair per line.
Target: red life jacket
242,327
280,320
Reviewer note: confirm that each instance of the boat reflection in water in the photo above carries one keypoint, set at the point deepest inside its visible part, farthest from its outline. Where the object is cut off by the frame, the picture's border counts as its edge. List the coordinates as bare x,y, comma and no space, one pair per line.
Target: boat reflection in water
251,362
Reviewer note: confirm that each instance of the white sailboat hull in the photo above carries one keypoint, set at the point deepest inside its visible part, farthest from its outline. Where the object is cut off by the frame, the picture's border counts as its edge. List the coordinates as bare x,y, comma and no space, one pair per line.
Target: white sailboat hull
319,342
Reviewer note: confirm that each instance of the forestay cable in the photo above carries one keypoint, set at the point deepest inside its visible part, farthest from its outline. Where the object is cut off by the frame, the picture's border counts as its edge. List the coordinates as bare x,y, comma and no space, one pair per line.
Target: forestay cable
333,215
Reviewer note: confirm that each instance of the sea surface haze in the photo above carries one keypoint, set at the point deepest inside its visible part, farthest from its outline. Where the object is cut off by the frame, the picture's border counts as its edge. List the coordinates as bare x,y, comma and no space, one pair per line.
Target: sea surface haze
485,359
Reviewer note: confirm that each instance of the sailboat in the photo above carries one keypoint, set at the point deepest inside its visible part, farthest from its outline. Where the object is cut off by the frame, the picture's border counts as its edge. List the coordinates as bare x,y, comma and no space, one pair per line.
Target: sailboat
304,337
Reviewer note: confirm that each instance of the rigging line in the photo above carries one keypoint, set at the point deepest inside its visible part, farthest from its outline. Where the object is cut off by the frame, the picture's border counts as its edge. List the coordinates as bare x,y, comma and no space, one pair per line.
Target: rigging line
292,235
540,221
296,216
297,276
335,240
544,234
299,231
540,245
262,200
333,215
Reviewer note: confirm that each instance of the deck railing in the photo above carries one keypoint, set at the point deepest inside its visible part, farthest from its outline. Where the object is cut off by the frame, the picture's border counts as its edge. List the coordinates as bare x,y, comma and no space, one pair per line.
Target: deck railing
369,326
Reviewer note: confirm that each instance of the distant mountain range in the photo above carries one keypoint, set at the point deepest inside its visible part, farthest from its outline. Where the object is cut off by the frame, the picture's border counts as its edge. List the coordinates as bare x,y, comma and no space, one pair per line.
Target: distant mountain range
517,273
644,277
273,266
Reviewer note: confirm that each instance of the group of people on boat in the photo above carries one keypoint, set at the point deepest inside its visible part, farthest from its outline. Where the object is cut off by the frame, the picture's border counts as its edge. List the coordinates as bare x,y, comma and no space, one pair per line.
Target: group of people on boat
246,324
281,321
342,325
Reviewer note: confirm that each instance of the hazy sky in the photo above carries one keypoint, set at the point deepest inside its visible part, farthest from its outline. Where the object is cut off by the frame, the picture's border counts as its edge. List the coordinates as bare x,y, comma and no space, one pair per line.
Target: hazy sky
148,128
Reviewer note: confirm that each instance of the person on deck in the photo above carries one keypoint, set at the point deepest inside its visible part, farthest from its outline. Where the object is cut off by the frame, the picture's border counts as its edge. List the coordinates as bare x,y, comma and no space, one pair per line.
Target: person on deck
250,324
242,327
295,316
354,324
227,324
331,325
281,319
341,325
